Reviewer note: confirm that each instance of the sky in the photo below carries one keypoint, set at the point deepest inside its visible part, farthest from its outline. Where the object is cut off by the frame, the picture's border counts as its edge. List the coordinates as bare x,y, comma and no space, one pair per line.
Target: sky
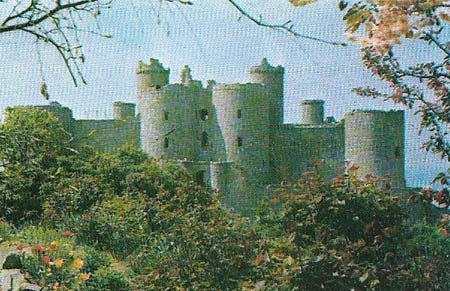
212,38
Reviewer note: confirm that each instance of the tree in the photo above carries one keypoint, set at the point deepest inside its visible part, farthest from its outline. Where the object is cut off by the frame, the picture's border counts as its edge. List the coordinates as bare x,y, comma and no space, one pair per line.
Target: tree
346,234
31,143
59,23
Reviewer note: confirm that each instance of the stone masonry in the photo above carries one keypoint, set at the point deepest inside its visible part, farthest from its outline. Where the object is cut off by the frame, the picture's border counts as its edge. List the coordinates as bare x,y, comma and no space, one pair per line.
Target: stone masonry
232,137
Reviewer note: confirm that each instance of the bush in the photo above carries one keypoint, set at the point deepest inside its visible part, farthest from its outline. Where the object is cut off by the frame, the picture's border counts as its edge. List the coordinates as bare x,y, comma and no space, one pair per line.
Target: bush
54,261
330,235
106,280
31,141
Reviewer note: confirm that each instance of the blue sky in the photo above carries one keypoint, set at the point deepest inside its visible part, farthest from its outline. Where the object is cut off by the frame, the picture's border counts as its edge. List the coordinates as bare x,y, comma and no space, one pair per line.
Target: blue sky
209,37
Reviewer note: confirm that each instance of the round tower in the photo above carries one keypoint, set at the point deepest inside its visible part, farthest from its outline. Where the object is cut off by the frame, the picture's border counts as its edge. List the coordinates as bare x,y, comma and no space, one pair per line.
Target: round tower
273,80
242,113
374,141
312,112
151,76
168,122
186,76
124,111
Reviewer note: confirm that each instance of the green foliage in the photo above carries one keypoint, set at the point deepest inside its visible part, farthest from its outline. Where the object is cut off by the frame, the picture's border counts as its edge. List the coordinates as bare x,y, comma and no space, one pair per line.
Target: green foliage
117,225
53,260
330,235
31,140
206,251
105,279
172,234
6,231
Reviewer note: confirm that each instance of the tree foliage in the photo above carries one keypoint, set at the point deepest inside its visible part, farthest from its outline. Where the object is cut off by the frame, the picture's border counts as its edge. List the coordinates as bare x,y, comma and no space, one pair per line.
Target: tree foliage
125,221
32,142
345,235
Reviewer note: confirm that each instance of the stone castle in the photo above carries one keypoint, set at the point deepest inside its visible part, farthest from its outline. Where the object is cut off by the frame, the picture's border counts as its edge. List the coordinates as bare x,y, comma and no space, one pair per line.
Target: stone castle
232,137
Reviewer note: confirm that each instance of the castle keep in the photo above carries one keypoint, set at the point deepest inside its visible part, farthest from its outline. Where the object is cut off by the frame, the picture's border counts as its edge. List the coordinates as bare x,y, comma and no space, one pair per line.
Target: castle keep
232,137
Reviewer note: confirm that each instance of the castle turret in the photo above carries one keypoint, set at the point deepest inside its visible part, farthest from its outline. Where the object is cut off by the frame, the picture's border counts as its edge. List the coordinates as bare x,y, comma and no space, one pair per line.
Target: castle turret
312,112
186,76
273,80
374,141
243,119
124,111
151,76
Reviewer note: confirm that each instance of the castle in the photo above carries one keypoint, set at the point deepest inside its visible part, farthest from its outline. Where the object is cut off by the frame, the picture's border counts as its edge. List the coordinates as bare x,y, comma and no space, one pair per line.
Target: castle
232,137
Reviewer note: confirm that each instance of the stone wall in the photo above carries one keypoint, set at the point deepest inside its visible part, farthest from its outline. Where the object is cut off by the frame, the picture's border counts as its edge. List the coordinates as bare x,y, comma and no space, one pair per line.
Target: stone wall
375,142
106,135
300,145
243,118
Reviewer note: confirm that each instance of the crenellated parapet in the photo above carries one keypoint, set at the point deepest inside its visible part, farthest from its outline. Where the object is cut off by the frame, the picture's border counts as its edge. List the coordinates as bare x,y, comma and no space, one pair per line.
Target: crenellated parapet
151,76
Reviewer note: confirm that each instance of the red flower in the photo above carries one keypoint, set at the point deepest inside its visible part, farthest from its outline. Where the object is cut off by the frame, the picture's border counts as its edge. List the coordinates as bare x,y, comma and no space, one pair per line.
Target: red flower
46,259
38,248
67,233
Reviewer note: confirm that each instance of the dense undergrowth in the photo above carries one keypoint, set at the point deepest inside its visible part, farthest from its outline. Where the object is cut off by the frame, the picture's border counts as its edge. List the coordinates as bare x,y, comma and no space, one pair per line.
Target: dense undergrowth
82,220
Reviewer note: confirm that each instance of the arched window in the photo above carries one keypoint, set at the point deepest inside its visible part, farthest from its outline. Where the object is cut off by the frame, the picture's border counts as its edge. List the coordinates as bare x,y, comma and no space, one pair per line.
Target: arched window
239,141
166,115
204,114
204,139
239,113
166,142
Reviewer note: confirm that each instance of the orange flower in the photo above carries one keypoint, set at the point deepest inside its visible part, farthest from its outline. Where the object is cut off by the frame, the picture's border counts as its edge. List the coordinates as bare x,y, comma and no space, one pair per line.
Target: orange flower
78,263
59,263
46,259
38,248
85,276
53,245
19,247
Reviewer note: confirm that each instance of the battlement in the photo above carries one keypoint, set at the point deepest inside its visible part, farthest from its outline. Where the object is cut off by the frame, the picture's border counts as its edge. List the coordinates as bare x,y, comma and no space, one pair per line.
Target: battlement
312,111
266,67
153,66
238,87
375,112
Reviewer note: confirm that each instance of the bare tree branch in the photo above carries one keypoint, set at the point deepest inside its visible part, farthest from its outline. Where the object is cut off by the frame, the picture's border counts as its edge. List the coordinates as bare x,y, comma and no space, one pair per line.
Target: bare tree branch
286,26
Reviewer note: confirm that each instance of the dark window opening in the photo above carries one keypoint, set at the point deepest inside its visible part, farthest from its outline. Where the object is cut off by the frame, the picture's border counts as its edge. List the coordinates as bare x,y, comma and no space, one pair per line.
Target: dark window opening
204,139
157,87
166,142
239,113
166,115
200,178
397,152
204,114
239,141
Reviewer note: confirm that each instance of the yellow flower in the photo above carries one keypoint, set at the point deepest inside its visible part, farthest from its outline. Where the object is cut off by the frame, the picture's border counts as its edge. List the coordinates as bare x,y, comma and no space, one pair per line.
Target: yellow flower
53,245
59,263
78,263
85,276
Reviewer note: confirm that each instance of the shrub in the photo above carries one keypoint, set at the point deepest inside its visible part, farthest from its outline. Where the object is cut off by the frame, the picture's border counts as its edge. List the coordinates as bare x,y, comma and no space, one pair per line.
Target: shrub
54,261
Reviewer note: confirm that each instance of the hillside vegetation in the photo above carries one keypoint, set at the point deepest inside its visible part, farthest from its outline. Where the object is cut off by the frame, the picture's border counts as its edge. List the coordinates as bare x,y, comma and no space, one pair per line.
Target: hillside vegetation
82,220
